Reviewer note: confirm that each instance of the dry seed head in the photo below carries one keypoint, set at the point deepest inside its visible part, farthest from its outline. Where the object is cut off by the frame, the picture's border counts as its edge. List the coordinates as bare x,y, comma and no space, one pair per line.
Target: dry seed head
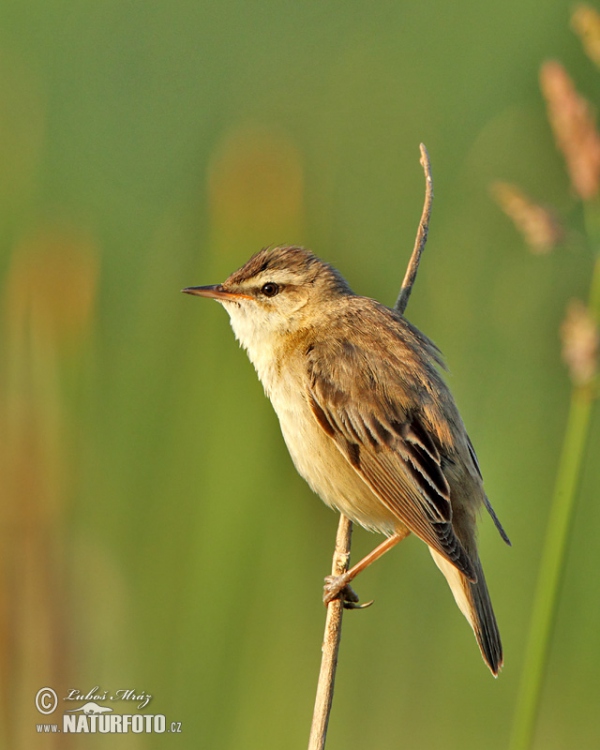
585,22
580,341
574,129
538,225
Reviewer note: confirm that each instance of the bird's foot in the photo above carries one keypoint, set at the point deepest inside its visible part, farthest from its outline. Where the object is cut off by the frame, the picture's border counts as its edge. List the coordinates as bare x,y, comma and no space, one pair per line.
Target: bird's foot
337,587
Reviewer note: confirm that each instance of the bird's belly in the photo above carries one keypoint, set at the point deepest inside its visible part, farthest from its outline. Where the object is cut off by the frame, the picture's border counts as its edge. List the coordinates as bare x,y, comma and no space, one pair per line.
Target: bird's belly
326,470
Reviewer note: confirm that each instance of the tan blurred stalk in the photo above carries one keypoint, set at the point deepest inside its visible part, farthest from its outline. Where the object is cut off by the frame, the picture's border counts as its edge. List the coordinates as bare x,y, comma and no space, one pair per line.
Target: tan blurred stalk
47,312
585,21
539,226
574,127
580,341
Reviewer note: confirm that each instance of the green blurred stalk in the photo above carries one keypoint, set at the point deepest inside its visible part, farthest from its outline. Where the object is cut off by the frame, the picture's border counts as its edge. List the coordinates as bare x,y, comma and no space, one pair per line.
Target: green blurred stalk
555,545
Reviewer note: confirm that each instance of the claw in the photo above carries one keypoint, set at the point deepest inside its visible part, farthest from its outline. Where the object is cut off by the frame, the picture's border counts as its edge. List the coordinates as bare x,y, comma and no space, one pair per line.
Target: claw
354,605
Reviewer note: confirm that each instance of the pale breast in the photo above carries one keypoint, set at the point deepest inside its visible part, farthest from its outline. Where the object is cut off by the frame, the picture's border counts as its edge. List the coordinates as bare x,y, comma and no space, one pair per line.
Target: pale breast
318,459
315,455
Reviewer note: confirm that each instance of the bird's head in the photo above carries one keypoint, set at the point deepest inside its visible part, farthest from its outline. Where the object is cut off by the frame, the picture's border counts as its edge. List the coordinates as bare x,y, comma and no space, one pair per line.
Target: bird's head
278,292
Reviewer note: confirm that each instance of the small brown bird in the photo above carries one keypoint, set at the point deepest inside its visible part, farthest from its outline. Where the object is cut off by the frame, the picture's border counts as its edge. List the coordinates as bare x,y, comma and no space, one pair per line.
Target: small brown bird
367,419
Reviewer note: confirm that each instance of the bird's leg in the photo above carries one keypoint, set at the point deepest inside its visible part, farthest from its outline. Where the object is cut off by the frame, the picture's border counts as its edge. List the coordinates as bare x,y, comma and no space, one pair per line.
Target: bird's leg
340,585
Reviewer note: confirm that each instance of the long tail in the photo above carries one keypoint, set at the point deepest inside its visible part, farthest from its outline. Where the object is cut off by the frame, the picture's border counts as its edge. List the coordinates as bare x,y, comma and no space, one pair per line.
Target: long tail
474,602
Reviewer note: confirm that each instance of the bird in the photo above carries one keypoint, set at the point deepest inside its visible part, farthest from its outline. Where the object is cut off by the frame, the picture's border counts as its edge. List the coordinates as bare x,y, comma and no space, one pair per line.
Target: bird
367,417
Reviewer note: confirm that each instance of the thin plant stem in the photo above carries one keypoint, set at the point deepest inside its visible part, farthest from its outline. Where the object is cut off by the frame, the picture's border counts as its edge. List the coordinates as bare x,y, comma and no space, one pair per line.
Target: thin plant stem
554,552
341,555
421,238
331,641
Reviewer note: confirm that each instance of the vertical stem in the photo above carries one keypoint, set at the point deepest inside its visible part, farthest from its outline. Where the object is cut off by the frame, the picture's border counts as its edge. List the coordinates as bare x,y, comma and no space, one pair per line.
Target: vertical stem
553,555
551,567
331,641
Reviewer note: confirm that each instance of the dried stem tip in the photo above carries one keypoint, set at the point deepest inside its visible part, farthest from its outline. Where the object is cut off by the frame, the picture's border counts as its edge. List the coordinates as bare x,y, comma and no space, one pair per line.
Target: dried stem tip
421,238
585,22
574,129
580,342
538,225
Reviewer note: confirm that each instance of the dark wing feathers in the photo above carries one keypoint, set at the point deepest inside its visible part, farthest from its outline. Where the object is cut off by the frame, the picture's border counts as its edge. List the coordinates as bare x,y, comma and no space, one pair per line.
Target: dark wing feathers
399,460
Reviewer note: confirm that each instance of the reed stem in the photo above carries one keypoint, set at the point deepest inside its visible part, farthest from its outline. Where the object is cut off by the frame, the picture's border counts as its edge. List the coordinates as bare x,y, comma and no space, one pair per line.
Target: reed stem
554,551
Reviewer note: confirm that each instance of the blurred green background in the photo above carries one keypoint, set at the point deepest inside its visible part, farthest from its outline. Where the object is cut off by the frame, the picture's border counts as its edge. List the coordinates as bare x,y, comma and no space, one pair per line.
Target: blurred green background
155,535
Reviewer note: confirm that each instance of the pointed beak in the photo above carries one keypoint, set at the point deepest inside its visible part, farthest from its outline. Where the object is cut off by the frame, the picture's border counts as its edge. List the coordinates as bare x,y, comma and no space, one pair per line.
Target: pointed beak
215,291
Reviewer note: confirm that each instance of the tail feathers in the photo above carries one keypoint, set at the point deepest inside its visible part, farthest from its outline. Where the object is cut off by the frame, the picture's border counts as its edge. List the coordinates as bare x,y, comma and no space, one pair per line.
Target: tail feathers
474,602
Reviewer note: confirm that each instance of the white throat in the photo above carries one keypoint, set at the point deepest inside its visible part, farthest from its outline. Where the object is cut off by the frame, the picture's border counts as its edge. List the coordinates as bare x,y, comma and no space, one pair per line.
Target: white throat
253,328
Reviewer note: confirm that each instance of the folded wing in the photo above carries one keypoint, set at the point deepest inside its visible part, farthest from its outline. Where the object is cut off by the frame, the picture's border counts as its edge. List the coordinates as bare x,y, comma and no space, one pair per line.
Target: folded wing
392,450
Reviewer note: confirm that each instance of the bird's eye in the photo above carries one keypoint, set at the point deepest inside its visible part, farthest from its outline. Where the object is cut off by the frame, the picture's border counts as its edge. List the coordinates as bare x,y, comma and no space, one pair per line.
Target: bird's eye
270,289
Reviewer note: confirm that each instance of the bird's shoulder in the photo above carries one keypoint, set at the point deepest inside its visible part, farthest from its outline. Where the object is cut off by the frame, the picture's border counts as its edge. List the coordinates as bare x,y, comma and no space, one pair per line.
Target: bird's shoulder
363,346
370,360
